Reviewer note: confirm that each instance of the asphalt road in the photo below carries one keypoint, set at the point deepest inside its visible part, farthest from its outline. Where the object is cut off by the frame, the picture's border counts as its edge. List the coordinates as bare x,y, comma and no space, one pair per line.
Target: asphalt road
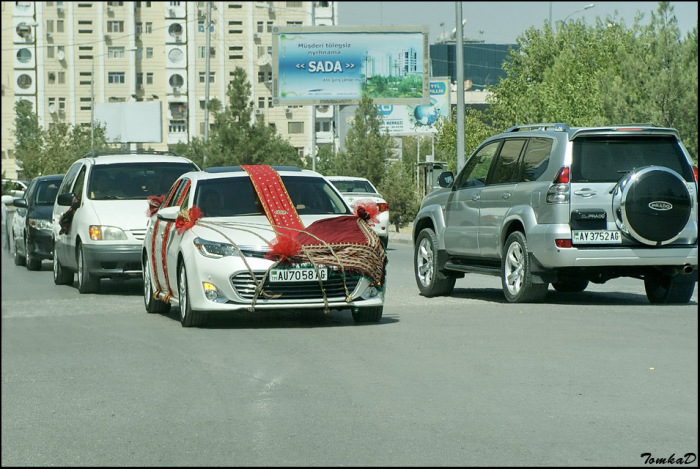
591,379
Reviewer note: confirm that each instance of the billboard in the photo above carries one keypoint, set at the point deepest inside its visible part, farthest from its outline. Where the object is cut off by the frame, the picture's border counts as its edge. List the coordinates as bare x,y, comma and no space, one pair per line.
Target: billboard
407,119
340,65
139,122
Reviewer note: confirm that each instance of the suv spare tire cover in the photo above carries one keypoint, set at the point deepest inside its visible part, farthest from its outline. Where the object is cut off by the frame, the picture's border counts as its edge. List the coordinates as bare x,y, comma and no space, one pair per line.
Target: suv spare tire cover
652,204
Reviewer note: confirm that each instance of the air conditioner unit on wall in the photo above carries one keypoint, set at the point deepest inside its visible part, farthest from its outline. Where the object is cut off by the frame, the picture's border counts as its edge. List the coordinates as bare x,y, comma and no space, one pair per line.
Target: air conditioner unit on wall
139,87
259,112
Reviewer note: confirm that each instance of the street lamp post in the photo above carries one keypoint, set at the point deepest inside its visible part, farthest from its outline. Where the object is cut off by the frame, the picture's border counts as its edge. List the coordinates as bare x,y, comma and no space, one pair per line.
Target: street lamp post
587,7
92,97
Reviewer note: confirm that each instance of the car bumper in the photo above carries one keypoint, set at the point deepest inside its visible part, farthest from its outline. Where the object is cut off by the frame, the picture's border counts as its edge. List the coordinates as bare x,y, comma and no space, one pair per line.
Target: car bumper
40,243
113,259
221,273
550,256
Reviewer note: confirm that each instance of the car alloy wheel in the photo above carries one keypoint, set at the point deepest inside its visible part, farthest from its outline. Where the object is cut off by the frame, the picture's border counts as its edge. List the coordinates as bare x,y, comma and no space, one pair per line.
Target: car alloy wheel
188,316
152,305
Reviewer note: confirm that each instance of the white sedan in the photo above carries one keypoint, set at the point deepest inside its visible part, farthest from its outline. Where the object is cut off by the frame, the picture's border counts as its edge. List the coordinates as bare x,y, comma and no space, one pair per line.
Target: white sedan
247,238
357,190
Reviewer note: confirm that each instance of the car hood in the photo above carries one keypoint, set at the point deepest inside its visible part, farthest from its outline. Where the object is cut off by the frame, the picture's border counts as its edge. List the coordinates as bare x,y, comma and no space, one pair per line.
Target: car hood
253,231
42,212
124,214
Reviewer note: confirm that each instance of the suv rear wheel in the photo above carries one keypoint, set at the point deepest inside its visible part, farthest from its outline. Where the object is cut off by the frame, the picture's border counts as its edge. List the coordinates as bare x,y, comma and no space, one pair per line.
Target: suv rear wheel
516,273
430,279
32,262
664,289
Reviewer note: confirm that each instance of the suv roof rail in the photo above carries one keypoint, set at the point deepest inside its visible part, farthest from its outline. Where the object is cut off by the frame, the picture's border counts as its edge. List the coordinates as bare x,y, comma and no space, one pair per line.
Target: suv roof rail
560,127
129,152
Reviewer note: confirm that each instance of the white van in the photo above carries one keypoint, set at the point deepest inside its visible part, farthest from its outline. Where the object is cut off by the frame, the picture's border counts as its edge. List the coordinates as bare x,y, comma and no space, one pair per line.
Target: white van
100,215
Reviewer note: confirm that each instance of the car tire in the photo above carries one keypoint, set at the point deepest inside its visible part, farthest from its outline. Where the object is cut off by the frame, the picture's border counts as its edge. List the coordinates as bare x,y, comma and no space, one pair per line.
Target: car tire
19,260
87,283
188,316
61,276
431,280
653,205
516,272
152,304
32,262
665,289
575,285
371,314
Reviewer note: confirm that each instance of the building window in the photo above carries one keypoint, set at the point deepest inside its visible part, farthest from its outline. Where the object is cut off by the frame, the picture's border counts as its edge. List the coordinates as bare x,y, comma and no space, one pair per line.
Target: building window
261,77
269,26
261,103
61,104
177,126
51,78
24,55
87,80
49,26
295,23
300,150
149,52
261,26
116,78
269,101
115,52
138,29
139,78
115,26
149,27
59,26
61,78
295,127
149,77
211,77
50,52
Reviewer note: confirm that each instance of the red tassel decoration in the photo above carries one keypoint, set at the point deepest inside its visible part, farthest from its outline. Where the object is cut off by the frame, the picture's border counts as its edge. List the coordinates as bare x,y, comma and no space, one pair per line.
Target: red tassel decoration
368,211
283,248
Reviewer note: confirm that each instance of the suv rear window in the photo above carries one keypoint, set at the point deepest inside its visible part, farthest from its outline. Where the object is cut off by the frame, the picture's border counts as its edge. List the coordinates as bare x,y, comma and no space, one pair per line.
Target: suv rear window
607,159
134,180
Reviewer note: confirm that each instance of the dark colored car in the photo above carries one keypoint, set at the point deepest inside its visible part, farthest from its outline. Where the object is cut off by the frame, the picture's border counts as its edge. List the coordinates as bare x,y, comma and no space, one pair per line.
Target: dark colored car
31,224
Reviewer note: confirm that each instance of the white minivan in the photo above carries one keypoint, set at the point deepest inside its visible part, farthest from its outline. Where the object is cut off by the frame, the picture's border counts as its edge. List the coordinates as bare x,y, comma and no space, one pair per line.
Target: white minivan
100,214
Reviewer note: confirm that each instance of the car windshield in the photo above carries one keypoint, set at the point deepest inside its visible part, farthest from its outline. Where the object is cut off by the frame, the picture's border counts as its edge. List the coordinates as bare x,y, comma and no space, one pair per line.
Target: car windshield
235,196
349,185
46,192
134,180
607,159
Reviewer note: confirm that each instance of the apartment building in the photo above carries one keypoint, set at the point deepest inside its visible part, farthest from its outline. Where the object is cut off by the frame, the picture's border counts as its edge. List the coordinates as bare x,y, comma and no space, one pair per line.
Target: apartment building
65,56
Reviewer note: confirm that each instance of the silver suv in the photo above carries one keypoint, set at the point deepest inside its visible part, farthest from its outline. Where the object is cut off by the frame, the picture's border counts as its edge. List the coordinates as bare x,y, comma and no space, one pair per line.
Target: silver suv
545,203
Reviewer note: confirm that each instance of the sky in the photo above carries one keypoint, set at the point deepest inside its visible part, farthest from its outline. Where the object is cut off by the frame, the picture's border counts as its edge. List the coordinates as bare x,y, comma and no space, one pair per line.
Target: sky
500,22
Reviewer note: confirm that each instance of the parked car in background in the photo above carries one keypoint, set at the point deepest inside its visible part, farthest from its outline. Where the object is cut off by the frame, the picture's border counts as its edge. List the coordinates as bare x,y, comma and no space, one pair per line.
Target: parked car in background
249,238
357,189
31,224
99,218
17,187
548,204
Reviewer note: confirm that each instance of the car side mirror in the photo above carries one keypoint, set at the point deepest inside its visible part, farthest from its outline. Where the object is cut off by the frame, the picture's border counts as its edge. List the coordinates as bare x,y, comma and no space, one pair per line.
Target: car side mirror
22,203
445,179
65,199
168,213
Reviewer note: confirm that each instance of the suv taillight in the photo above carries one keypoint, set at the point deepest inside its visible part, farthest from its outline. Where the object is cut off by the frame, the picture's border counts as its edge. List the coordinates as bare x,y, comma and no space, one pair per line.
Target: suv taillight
558,192
695,172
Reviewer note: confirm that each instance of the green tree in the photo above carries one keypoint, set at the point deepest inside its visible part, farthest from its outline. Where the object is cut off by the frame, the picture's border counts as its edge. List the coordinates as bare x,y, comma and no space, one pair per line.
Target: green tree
475,131
29,139
399,191
601,75
236,138
366,147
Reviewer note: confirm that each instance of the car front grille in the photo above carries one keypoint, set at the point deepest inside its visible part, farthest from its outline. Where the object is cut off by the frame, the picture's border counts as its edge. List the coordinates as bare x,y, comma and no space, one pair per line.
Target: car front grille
311,290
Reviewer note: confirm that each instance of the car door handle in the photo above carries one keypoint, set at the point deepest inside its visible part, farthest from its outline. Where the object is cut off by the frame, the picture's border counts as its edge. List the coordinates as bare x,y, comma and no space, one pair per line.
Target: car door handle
506,195
476,197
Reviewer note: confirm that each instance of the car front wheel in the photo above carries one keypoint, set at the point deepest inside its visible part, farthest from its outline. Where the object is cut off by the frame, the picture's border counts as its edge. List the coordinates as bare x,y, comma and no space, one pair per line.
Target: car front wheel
188,316
32,262
87,283
430,279
516,273
19,260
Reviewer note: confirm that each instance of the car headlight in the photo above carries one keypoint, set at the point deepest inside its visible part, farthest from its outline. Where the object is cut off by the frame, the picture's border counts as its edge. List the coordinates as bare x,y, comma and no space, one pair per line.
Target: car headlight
213,249
39,224
106,233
